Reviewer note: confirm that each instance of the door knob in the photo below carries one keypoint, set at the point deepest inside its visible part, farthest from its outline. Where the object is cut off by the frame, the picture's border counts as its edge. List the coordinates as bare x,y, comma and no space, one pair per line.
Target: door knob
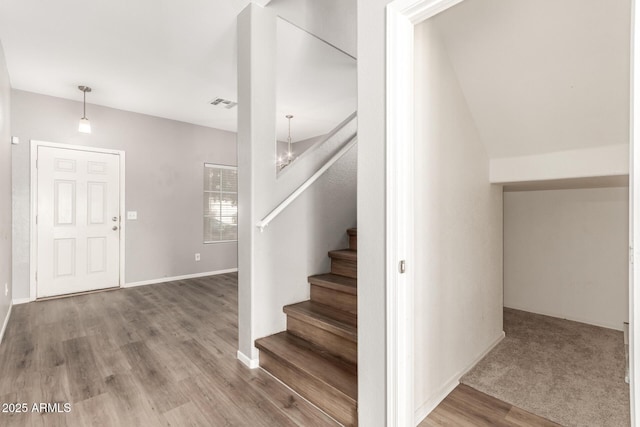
115,227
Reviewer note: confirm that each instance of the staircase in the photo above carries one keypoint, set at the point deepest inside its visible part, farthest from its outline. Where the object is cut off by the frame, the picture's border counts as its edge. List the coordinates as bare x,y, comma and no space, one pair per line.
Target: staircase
317,355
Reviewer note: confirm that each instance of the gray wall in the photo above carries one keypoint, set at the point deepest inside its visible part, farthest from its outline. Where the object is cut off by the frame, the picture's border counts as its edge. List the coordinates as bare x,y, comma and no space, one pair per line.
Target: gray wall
164,183
566,254
5,189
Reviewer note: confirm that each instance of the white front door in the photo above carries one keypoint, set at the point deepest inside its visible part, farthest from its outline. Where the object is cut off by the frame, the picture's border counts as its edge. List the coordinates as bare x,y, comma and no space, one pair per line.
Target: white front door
78,221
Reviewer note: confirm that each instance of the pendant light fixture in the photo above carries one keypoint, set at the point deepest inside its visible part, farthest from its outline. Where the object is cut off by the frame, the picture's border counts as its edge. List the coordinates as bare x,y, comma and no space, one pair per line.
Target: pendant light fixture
288,158
289,152
85,125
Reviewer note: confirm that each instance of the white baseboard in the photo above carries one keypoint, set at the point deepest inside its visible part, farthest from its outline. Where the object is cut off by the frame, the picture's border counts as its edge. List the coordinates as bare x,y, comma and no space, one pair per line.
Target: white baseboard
551,313
19,301
6,322
251,363
185,277
425,409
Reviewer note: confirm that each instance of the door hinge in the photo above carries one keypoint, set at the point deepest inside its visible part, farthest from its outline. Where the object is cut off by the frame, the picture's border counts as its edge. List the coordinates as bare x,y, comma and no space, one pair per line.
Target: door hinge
36,163
36,219
402,267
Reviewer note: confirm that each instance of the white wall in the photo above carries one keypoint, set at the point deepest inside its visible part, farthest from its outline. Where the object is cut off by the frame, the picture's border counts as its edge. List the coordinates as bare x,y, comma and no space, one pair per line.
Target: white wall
331,20
164,183
274,265
372,371
458,230
609,160
5,191
566,254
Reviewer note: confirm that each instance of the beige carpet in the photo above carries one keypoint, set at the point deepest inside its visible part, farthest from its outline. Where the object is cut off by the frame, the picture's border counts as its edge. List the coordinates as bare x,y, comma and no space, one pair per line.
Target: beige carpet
567,372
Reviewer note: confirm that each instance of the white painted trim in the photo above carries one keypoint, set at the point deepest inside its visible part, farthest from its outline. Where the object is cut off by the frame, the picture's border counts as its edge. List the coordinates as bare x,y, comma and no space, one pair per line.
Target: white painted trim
399,220
423,411
611,160
417,11
6,322
634,219
313,178
123,217
482,355
250,363
261,3
551,313
33,237
19,301
174,278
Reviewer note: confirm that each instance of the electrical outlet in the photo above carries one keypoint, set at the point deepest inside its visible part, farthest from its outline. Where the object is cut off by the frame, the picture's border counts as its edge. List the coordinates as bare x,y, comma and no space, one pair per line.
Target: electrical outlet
197,257
6,289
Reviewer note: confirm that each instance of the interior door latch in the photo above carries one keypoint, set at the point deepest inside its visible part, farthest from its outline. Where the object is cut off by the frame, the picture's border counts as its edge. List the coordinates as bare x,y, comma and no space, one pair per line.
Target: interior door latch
402,267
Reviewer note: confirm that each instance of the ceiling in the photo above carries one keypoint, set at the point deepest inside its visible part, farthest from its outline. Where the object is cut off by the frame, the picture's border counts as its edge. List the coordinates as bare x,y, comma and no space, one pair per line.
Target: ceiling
159,57
542,75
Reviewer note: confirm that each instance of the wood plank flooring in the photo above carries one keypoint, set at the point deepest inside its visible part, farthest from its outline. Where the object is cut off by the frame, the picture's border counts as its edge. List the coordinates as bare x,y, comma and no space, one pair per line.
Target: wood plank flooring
158,355
467,407
165,355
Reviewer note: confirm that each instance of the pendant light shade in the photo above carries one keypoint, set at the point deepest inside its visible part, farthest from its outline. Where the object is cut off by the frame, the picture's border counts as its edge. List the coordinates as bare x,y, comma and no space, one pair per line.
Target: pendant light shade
84,126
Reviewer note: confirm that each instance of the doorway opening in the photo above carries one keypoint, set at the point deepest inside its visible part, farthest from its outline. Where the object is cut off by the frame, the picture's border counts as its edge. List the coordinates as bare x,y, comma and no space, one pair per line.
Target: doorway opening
478,128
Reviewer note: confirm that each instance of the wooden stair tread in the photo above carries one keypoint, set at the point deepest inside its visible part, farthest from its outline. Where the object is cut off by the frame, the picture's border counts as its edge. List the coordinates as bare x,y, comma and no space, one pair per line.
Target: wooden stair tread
346,254
336,282
352,231
324,317
300,355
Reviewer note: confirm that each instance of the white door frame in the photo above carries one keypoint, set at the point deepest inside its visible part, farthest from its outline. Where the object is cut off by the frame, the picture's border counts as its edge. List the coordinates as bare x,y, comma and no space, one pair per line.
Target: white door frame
402,17
634,220
33,233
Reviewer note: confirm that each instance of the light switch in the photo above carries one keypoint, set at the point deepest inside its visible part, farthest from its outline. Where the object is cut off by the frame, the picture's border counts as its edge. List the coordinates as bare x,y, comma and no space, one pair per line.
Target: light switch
133,215
15,140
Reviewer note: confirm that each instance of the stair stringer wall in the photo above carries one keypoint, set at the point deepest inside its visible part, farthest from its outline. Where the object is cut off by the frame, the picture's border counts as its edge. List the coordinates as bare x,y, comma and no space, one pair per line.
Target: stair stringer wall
273,265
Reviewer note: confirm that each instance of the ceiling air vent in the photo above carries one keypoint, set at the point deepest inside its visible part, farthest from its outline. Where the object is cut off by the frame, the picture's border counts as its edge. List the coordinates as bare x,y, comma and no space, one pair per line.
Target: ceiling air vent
224,103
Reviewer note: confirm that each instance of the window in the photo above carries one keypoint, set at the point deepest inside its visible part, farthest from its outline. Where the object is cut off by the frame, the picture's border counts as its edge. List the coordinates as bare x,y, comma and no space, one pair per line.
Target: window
220,203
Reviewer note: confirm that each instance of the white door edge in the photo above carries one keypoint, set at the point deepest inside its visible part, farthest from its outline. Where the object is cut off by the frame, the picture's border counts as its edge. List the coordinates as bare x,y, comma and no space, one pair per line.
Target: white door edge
634,219
33,192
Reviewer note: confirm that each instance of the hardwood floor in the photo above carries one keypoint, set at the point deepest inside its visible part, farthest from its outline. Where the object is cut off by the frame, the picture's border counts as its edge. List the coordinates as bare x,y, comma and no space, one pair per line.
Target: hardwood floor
467,407
158,355
164,355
